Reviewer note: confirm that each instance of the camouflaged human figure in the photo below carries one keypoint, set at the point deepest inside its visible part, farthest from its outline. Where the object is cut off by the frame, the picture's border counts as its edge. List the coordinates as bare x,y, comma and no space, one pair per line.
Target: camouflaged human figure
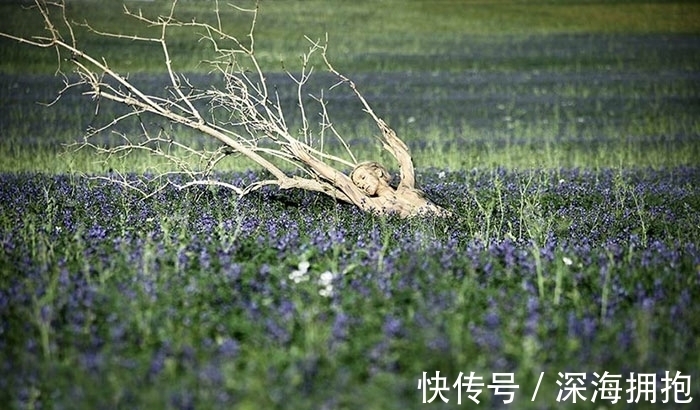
368,184
373,179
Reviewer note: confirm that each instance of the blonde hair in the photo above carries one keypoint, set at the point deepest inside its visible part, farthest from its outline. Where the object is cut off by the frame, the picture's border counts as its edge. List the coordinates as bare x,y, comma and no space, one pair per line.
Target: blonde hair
375,168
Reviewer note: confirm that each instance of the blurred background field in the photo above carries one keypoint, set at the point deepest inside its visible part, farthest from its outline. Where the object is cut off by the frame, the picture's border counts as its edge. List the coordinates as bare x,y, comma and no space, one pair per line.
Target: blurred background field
387,35
467,84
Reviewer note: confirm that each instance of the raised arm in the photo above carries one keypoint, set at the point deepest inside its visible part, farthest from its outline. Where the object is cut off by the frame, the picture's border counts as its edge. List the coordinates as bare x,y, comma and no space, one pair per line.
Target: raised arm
339,180
399,150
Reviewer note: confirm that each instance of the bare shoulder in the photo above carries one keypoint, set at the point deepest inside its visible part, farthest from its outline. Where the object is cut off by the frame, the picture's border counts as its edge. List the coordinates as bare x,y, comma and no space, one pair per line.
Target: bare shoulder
410,192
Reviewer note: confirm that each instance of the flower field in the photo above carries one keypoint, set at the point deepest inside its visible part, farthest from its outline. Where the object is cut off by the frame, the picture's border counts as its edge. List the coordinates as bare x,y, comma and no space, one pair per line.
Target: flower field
285,299
563,137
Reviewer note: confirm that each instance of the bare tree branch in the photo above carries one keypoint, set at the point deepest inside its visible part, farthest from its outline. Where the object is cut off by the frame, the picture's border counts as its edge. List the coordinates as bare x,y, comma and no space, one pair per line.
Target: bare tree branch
244,118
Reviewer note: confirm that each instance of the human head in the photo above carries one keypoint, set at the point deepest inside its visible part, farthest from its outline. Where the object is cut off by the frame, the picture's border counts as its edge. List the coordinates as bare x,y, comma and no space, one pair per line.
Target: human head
370,176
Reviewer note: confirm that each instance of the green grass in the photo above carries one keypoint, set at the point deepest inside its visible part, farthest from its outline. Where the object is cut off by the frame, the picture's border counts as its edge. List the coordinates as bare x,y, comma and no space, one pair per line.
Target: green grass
466,84
363,34
185,299
563,135
627,115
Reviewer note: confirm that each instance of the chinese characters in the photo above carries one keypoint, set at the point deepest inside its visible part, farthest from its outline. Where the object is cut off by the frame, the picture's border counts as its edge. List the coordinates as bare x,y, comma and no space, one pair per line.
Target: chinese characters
573,387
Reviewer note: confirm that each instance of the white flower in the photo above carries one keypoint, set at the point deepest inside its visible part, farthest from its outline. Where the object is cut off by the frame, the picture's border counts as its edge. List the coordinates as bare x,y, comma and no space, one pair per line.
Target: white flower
441,174
326,292
567,261
326,278
326,283
298,277
299,274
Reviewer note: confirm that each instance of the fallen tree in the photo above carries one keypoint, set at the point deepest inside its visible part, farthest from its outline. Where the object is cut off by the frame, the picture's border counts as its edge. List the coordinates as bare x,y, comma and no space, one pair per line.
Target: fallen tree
254,123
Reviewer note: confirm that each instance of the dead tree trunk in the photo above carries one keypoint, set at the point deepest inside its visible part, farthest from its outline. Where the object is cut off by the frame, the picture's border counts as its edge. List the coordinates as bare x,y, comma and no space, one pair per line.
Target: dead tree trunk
254,115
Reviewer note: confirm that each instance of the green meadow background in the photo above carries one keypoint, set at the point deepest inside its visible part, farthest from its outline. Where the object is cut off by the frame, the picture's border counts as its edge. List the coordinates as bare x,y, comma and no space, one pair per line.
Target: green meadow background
467,84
